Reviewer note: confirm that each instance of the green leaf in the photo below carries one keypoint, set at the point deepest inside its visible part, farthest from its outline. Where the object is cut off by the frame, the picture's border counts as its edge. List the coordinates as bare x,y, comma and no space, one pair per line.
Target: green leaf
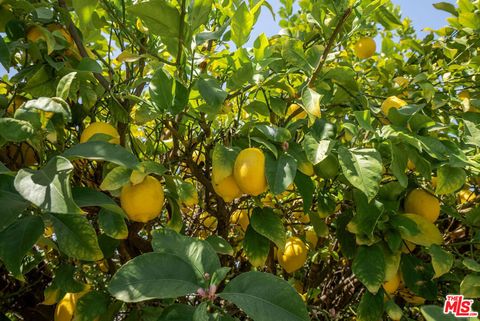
268,224
311,101
399,163
316,151
470,286
88,64
212,93
12,203
177,312
220,245
84,9
280,173
294,54
113,224
76,237
442,261
15,130
471,264
416,229
64,85
151,167
365,119
197,253
91,306
219,275
99,150
472,133
265,297
160,17
241,25
48,188
362,168
367,215
65,279
275,133
223,160
116,178
201,312
4,54
199,12
160,89
54,105
435,313
369,267
153,276
85,197
305,188
370,307
17,239
449,179
445,6
417,276
256,247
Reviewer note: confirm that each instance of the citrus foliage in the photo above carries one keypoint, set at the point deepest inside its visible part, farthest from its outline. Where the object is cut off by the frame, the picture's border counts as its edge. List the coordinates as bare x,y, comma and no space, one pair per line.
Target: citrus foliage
153,167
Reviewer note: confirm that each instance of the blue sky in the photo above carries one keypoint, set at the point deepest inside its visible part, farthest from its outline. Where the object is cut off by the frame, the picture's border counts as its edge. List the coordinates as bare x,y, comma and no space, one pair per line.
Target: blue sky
421,12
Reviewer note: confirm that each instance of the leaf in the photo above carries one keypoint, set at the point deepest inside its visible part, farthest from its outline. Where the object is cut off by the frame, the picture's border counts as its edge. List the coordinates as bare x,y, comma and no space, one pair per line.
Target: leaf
266,223
445,6
472,133
435,313
399,163
65,279
365,120
4,54
280,173
48,188
256,247
470,286
362,168
367,215
153,276
316,151
91,306
306,189
116,178
160,89
416,229
275,133
17,239
449,179
223,160
471,264
201,312
54,105
88,64
152,167
85,197
311,101
212,93
15,130
220,245
198,253
417,276
160,17
199,12
369,267
241,25
112,224
12,203
370,307
84,9
76,237
442,261
99,150
64,85
265,297
177,312
220,275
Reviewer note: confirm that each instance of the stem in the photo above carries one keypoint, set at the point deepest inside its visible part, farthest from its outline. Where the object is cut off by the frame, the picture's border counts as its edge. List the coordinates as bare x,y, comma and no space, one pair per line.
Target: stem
178,61
329,46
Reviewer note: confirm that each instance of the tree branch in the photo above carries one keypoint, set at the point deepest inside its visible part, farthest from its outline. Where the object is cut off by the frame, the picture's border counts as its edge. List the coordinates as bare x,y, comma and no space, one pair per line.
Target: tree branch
329,46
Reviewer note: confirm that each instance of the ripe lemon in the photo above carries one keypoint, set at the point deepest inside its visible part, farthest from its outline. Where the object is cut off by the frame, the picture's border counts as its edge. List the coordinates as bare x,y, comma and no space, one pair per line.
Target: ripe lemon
227,189
249,171
100,128
144,201
392,102
292,108
466,195
241,218
293,256
66,307
422,203
365,48
464,94
311,237
19,155
35,33
306,168
411,165
15,104
401,81
209,222
391,286
327,168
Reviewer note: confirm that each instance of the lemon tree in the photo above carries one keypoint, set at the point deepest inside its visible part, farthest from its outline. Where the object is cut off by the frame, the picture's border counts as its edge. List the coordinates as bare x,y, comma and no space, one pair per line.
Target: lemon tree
160,160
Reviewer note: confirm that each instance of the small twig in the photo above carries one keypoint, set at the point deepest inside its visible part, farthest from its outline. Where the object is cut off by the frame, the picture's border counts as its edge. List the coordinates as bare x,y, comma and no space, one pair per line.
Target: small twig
329,46
178,61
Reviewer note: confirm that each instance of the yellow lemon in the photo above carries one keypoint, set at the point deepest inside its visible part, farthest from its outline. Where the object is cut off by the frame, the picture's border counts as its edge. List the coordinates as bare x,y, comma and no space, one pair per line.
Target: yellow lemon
434,181
293,108
249,171
293,256
365,48
301,217
411,165
144,201
19,155
15,104
391,286
422,203
210,222
100,128
466,195
401,81
464,94
35,33
392,102
306,168
227,189
66,307
311,237
241,218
